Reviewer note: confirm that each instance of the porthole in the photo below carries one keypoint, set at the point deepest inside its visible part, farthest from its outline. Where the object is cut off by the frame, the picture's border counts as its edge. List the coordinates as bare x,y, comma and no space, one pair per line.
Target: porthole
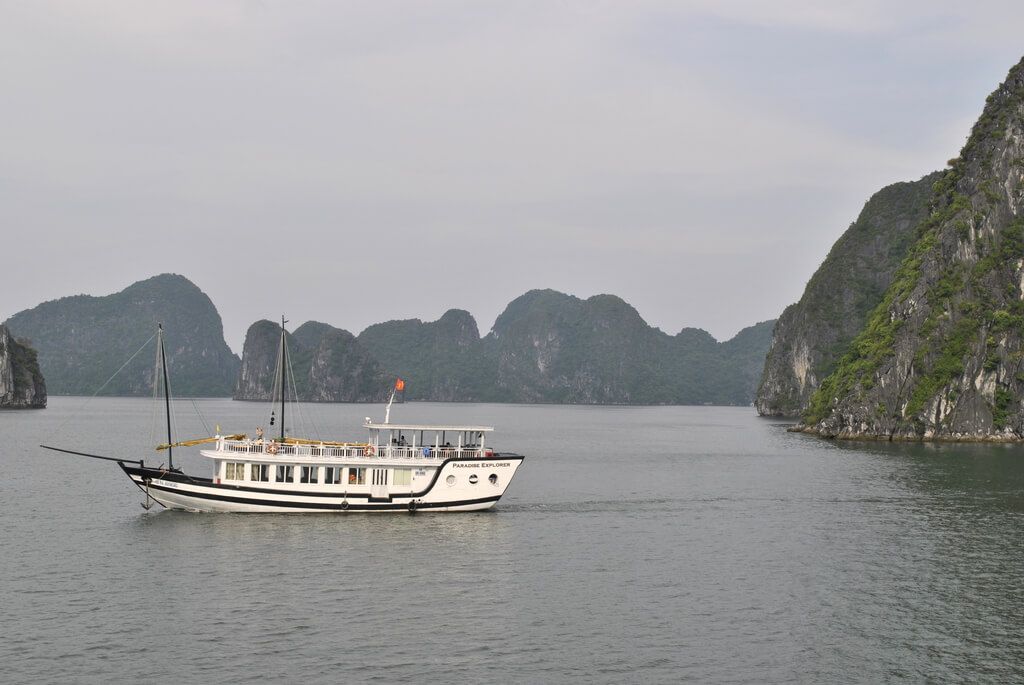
493,478
473,479
450,480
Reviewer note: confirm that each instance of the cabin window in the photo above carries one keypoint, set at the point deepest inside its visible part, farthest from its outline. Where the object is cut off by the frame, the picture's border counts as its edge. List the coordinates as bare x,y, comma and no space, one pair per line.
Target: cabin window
493,478
402,477
260,472
332,475
357,476
309,474
234,471
285,473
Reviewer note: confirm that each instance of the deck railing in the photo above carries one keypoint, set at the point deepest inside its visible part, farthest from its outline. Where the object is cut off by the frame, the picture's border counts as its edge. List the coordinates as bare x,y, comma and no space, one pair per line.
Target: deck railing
357,451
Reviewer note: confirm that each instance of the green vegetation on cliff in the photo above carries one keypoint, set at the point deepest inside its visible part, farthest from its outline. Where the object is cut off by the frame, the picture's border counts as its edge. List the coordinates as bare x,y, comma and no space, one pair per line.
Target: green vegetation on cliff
941,355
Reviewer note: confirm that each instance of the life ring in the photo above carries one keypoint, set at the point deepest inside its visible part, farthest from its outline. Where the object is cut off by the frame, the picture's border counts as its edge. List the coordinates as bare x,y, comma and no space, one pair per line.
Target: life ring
272,448
369,451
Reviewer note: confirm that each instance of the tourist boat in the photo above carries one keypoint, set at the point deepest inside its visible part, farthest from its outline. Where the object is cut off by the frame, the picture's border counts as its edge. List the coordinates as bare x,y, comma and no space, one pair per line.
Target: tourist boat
400,467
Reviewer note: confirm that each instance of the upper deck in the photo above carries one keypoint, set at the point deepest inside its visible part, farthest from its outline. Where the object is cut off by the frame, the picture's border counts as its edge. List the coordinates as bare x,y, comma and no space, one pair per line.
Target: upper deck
397,443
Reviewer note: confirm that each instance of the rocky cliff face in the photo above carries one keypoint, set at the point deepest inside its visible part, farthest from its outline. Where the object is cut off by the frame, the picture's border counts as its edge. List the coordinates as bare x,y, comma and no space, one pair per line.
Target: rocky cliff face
259,360
82,340
21,383
329,365
942,355
811,335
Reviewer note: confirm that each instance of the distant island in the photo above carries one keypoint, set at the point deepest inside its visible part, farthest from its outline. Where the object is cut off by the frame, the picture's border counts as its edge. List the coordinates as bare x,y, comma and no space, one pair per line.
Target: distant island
545,347
82,340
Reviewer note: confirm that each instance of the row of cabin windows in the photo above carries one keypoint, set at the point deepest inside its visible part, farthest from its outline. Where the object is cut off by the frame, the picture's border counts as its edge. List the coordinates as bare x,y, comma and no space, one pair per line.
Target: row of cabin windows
332,475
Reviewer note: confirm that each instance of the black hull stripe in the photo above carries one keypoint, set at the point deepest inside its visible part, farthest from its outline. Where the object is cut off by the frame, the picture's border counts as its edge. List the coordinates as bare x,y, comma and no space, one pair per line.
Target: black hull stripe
326,506
151,473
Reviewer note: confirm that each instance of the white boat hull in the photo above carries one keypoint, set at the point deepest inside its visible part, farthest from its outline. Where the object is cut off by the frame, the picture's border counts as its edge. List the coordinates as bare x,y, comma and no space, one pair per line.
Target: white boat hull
459,485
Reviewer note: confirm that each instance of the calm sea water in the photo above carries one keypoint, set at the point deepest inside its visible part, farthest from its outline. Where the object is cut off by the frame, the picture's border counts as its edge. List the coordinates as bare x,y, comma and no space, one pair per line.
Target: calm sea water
636,544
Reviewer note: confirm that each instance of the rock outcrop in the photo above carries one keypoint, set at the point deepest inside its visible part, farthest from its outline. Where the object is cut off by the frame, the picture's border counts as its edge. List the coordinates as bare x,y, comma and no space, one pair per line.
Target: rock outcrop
326,364
21,383
942,355
256,376
812,334
82,340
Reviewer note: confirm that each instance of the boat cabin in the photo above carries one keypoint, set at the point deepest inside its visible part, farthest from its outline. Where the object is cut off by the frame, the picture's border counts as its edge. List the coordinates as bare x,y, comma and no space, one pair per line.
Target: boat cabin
415,440
394,454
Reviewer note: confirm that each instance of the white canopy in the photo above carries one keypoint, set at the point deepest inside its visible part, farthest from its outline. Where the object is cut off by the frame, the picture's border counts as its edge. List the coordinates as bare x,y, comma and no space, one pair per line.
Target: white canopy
425,427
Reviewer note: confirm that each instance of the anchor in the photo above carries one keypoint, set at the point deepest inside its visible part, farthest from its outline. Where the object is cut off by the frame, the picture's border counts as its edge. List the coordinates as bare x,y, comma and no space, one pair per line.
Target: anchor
149,498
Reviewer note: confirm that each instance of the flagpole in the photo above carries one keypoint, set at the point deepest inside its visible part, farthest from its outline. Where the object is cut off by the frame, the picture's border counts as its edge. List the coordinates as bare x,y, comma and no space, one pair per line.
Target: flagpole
397,387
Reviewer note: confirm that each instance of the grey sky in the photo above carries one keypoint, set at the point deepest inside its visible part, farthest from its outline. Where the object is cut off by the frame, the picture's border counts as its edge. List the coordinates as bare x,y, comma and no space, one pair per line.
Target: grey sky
358,162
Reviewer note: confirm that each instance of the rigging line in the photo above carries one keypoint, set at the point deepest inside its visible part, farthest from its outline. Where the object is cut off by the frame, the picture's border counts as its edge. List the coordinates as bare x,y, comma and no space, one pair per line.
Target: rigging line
311,416
276,388
300,423
300,414
287,376
312,421
272,396
105,384
303,416
154,407
202,418
175,426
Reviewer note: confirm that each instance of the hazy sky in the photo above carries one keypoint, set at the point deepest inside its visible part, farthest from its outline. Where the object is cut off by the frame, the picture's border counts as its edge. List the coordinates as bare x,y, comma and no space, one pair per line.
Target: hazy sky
354,162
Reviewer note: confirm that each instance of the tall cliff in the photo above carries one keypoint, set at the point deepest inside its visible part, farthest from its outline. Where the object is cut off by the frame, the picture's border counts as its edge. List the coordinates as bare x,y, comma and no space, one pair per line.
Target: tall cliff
942,355
83,339
21,383
811,335
328,364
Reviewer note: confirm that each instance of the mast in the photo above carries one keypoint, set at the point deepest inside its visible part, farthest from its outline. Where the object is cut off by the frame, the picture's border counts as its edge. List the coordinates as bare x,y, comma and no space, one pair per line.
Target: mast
167,392
284,361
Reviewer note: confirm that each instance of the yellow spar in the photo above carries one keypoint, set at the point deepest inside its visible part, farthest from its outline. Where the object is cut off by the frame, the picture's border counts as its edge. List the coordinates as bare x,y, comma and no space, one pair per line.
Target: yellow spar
199,441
